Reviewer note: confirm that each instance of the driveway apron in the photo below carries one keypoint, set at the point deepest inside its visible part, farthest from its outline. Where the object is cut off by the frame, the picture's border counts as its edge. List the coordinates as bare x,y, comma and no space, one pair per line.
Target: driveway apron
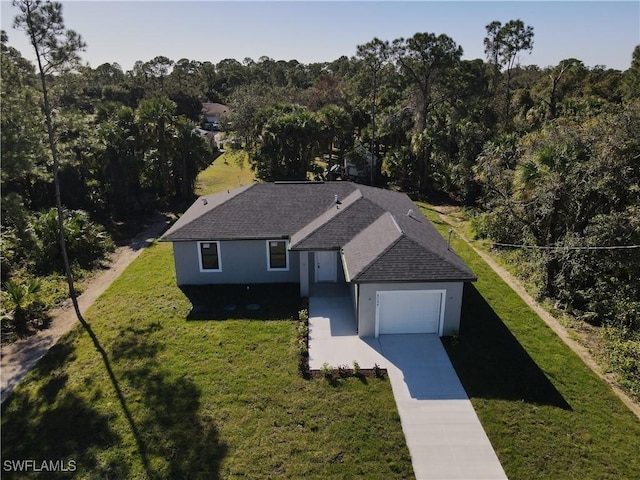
441,428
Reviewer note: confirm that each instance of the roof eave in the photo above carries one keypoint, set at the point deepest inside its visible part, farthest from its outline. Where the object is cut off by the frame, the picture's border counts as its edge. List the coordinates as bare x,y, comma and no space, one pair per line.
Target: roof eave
414,280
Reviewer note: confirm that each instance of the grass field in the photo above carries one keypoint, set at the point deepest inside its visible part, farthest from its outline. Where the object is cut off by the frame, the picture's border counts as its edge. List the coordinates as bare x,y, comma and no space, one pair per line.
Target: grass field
546,414
208,399
228,171
198,398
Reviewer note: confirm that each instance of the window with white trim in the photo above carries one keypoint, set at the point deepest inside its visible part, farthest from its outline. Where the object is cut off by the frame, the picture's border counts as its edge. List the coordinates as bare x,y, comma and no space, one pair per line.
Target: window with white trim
277,255
209,253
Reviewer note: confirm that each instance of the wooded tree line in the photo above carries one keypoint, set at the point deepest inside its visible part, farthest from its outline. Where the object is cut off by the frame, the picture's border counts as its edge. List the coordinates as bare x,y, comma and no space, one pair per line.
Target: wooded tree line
547,157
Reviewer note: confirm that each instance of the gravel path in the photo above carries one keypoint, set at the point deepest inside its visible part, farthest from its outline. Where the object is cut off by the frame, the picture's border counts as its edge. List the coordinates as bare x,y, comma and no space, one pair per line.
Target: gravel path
20,357
561,331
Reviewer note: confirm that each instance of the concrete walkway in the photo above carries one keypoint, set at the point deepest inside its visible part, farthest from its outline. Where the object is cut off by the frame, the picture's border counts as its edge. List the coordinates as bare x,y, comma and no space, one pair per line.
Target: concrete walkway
442,431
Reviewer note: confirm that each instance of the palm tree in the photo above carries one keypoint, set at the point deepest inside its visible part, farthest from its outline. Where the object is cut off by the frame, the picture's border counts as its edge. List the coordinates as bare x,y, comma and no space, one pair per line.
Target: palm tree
155,119
20,295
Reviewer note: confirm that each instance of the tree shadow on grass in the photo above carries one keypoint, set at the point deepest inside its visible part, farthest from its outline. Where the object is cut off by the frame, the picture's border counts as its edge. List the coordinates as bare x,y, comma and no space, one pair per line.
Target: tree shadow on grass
276,301
490,361
180,440
173,438
56,423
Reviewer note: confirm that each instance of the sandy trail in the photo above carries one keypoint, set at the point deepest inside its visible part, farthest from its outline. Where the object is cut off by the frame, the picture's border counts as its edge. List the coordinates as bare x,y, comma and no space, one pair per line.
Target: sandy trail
20,357
559,330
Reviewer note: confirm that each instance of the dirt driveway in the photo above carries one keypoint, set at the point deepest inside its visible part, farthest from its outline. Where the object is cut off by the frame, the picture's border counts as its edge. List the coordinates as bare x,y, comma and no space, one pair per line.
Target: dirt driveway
20,357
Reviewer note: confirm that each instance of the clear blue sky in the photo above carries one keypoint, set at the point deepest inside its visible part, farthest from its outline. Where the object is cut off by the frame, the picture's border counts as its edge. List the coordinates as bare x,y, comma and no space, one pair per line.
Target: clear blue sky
598,33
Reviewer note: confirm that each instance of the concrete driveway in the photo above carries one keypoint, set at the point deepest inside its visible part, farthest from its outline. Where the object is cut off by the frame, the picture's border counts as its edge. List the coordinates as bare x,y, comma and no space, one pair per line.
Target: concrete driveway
443,432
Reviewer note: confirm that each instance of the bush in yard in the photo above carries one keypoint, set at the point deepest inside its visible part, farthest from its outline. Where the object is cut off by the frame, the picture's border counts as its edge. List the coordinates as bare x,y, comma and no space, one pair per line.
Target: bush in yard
303,342
326,370
623,355
87,242
24,304
356,368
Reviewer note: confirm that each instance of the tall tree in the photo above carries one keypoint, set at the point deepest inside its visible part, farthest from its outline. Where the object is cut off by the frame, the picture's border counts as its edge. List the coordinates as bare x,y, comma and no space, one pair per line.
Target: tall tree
121,163
427,60
337,129
56,49
555,77
155,118
375,55
20,131
23,153
289,139
502,46
191,155
631,81
184,86
158,68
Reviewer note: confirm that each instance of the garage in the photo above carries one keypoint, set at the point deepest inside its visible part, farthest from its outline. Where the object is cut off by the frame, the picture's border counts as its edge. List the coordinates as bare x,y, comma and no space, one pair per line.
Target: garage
409,311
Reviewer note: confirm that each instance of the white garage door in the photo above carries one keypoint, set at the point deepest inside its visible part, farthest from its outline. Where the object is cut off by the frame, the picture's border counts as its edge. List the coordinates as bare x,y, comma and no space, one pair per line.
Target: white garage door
410,311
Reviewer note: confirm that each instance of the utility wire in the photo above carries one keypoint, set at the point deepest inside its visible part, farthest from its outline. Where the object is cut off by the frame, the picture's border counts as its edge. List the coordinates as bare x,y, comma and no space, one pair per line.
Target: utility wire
539,247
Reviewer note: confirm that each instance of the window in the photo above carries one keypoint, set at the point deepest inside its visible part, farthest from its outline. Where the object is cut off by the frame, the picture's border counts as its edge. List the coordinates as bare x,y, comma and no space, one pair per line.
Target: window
277,255
209,256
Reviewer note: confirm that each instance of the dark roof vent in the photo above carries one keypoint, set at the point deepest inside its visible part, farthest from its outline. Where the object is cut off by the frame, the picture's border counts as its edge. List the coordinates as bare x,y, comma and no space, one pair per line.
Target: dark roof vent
204,201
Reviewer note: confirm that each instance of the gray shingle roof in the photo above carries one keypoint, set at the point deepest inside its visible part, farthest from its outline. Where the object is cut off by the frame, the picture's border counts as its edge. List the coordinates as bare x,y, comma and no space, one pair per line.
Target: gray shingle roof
322,233
383,235
407,260
341,229
263,210
370,244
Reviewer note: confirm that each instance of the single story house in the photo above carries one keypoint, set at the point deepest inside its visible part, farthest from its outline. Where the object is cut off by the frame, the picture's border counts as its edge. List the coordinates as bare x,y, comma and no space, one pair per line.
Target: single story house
401,275
211,115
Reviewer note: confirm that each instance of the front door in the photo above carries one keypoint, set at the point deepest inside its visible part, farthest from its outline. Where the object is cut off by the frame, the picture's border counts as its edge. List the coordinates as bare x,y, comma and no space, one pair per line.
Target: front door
326,266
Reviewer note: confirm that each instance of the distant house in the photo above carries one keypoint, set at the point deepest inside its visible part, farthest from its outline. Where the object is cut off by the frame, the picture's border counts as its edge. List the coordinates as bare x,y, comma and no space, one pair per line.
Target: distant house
211,114
400,273
358,163
208,135
355,166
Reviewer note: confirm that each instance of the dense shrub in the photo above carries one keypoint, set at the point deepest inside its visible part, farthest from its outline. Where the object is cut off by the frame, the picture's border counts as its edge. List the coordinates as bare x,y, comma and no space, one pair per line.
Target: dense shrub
22,300
623,356
87,242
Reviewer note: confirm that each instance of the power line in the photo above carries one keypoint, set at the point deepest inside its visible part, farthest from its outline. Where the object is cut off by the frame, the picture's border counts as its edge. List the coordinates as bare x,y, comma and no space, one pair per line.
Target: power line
557,247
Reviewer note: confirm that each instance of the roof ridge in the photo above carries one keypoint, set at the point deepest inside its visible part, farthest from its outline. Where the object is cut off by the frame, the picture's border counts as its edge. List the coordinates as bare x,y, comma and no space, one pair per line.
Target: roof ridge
395,222
374,259
441,257
327,216
190,216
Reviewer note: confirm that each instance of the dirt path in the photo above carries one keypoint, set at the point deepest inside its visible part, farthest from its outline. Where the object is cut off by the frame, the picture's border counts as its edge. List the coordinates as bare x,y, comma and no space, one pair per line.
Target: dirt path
20,357
561,331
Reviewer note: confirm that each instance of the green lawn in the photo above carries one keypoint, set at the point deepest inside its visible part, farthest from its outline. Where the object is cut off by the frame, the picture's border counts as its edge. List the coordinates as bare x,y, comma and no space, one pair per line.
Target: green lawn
228,171
205,393
546,413
208,398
